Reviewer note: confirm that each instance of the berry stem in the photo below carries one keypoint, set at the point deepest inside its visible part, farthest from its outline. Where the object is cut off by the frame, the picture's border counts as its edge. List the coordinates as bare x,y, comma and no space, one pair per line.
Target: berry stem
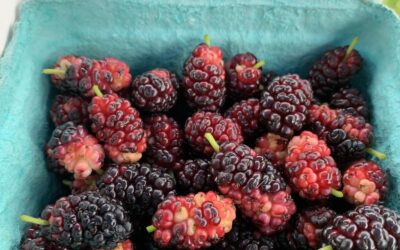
376,153
350,48
33,220
210,138
261,87
259,64
99,171
67,183
171,173
97,91
207,39
59,72
336,193
151,229
328,247
88,182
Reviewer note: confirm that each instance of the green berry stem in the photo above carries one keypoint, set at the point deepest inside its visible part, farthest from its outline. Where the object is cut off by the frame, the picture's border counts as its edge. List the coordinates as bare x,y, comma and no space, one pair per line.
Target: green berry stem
207,39
259,64
336,193
151,229
33,220
171,173
89,182
99,171
328,247
97,91
67,183
376,153
350,48
210,138
59,72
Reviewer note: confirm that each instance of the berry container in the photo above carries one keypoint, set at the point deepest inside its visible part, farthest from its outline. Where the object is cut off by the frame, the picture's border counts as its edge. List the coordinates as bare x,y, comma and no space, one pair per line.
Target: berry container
287,34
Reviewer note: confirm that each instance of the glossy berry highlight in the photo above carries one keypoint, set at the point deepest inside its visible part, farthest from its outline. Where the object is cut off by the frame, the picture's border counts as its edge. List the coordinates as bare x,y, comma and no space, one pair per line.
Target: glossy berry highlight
69,109
364,183
155,90
80,74
193,222
204,78
222,130
310,167
119,126
71,149
284,105
335,69
244,75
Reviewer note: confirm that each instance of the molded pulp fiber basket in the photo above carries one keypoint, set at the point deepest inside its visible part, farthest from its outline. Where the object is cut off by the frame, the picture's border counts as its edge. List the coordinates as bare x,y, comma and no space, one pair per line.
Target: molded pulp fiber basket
287,34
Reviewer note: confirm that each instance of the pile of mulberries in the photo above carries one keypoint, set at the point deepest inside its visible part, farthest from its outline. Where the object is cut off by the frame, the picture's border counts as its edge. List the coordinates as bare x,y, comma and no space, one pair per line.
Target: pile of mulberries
218,156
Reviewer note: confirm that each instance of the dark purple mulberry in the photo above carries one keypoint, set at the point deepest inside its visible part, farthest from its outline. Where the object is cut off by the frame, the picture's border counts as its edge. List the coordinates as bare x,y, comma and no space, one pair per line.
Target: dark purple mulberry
155,90
284,105
334,70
